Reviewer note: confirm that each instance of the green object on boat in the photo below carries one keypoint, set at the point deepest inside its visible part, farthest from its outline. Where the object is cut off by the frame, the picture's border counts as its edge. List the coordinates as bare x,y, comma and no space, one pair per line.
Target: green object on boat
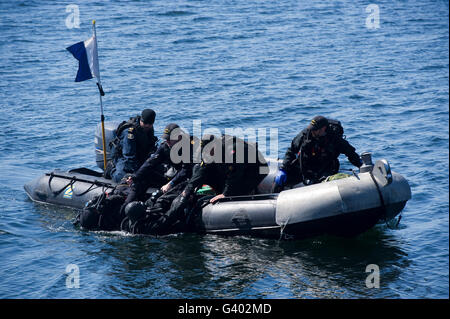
336,176
206,190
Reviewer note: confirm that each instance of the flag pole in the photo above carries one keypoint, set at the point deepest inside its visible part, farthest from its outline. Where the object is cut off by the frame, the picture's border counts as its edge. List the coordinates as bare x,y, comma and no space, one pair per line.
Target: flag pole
101,93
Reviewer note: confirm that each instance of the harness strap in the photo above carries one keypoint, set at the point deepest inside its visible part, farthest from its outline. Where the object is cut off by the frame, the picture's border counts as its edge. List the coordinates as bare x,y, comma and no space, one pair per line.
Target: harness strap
86,191
72,181
56,193
383,205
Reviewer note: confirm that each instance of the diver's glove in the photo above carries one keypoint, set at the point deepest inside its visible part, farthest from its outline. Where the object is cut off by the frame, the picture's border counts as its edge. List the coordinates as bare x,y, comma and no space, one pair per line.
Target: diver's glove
281,178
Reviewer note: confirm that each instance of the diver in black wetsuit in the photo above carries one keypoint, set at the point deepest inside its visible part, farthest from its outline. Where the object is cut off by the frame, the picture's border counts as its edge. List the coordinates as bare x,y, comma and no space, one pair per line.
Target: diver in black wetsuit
313,154
224,167
177,149
170,152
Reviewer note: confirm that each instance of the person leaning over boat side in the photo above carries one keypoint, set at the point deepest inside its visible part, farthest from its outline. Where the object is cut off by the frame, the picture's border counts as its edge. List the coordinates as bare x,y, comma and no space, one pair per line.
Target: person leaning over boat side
313,154
233,177
240,177
149,175
135,142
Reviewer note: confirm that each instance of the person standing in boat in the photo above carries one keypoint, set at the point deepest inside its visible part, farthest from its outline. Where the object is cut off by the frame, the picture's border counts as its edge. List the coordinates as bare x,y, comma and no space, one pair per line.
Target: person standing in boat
313,154
135,142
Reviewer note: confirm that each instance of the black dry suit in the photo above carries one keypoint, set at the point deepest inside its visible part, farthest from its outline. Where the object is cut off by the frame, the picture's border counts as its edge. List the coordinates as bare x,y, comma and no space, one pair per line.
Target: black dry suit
112,208
232,167
156,217
228,173
173,157
149,174
103,211
236,171
159,218
310,159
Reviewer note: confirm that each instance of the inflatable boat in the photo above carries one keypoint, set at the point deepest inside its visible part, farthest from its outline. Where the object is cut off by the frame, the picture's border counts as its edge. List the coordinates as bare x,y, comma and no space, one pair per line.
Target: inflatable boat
344,207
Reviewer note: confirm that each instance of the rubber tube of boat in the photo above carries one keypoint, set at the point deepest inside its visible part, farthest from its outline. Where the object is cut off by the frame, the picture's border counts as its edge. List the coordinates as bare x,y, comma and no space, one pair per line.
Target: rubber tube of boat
355,195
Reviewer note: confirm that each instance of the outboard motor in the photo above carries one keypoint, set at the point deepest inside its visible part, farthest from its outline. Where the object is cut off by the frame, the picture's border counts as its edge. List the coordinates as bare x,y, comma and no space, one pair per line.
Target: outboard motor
110,135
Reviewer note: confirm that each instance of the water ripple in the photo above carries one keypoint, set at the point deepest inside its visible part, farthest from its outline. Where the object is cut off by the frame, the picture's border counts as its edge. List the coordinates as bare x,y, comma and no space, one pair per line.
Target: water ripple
230,64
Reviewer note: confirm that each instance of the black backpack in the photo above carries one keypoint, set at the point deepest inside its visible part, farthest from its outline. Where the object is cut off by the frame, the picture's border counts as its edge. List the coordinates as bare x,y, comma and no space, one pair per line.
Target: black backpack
101,213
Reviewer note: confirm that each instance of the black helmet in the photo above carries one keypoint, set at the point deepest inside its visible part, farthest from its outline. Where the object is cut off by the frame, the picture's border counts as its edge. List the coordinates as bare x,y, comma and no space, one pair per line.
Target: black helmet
148,116
168,130
135,210
318,122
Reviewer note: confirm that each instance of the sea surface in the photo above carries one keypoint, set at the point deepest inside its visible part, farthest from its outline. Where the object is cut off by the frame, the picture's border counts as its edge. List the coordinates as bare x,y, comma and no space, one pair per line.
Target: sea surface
229,64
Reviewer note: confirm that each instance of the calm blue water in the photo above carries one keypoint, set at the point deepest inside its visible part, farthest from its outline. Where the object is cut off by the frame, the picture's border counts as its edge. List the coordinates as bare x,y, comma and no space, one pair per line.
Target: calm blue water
261,64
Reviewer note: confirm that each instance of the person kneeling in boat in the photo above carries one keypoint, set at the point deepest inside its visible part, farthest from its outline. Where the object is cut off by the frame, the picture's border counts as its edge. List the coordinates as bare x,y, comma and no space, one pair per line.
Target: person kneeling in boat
229,165
170,152
313,154
108,211
135,142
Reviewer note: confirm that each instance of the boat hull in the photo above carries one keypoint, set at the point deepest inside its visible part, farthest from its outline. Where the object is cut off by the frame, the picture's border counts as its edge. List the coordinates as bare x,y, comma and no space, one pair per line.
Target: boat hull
344,207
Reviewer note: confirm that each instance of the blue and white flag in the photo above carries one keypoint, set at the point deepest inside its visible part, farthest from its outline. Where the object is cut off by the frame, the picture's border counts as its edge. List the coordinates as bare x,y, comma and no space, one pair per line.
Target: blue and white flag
86,54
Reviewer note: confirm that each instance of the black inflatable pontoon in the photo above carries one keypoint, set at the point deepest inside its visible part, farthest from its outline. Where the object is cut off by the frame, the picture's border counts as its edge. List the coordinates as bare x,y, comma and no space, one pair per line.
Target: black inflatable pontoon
344,207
